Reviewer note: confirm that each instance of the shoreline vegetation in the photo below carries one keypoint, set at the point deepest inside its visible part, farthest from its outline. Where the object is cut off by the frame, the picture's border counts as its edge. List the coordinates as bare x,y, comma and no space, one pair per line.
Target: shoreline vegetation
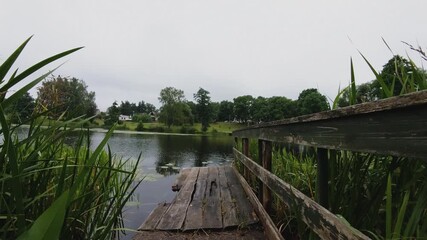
48,189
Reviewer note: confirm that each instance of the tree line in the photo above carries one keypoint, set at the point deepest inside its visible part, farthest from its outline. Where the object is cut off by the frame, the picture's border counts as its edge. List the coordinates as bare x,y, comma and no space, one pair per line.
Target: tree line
67,97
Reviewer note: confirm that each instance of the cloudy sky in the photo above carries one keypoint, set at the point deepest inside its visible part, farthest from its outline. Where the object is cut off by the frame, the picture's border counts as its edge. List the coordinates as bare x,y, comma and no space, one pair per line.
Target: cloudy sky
134,48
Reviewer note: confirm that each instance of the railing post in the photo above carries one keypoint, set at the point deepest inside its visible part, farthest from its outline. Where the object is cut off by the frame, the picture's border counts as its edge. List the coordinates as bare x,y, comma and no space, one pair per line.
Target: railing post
266,163
322,177
260,157
245,151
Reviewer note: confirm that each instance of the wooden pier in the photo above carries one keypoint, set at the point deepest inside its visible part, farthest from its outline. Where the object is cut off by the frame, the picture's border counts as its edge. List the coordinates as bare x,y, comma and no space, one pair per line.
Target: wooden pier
210,203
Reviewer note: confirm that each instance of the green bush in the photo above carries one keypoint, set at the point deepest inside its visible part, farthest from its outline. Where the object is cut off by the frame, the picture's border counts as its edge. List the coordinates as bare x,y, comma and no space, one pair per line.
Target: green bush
140,127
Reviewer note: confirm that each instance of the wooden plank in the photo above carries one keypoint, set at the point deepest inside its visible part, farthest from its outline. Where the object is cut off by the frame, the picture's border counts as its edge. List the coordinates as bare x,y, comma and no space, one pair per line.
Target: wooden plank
212,217
395,126
153,219
320,220
180,180
194,217
174,216
270,228
244,210
228,206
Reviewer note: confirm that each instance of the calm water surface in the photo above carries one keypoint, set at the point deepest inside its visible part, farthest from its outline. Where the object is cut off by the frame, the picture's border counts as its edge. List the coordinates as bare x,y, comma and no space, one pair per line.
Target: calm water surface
158,150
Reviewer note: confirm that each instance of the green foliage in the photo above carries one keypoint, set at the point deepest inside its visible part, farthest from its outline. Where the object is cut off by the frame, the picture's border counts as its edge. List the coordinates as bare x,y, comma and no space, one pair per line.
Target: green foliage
174,110
140,127
203,108
113,114
242,108
142,117
67,97
311,101
225,111
22,110
49,190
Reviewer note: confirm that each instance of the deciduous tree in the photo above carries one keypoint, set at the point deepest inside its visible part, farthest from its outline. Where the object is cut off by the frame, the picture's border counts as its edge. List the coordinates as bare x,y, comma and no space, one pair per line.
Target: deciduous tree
68,96
203,108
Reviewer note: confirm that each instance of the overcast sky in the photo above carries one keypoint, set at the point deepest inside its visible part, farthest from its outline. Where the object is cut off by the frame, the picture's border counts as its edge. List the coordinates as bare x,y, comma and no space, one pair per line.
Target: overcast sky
133,49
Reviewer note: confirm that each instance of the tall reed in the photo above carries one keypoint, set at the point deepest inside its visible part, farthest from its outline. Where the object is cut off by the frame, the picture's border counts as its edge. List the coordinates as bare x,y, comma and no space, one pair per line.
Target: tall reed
49,190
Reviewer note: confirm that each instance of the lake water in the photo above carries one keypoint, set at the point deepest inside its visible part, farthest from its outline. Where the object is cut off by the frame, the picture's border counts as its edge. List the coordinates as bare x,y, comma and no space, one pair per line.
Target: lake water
157,151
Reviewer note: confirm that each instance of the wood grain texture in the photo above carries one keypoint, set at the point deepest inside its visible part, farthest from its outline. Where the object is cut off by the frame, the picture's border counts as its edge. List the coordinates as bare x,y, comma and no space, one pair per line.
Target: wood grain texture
210,198
212,217
194,217
154,217
395,131
270,228
325,224
228,206
174,216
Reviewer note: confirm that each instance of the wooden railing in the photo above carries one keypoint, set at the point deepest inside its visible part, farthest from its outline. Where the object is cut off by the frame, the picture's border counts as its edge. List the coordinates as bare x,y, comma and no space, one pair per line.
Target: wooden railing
393,127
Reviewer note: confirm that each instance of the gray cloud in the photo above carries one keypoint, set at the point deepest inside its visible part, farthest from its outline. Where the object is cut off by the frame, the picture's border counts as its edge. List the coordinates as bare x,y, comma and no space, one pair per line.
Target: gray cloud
133,49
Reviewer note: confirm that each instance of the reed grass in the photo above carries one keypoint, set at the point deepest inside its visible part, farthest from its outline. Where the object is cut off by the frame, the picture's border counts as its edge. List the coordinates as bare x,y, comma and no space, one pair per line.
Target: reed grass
49,190
383,196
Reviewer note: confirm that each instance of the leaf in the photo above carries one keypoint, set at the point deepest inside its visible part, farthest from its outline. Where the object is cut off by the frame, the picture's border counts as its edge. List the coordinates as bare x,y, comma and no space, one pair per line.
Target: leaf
388,214
386,90
400,216
5,67
353,85
49,224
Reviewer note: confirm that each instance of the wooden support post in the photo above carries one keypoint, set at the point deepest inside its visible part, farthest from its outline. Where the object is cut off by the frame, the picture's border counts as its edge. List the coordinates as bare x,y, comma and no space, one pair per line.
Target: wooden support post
245,151
266,164
322,177
259,182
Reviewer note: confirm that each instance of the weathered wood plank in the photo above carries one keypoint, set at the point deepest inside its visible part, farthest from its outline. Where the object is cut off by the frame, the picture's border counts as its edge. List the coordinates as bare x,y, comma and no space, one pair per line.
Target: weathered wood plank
228,206
270,228
267,199
174,216
395,126
212,217
153,219
320,220
244,210
180,180
194,217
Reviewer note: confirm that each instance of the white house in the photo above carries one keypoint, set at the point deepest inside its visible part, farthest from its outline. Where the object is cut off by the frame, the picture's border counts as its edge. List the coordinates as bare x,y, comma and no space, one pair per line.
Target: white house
125,118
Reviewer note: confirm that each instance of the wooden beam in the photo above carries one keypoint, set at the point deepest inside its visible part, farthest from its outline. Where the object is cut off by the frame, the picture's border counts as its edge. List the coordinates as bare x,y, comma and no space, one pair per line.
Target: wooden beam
325,224
395,126
266,164
271,231
322,177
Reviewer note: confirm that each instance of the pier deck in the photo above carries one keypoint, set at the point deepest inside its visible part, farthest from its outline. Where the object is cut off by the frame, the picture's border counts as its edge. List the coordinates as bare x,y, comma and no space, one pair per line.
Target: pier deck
210,202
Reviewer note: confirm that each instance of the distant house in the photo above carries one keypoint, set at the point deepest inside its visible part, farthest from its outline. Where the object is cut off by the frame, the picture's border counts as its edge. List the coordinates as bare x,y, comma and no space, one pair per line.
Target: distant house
125,118
154,116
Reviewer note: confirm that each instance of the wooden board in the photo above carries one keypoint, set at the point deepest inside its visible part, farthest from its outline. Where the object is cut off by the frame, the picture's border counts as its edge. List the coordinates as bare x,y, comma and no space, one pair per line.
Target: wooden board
395,126
180,180
154,217
174,217
270,228
245,212
228,206
210,198
319,219
194,217
212,209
